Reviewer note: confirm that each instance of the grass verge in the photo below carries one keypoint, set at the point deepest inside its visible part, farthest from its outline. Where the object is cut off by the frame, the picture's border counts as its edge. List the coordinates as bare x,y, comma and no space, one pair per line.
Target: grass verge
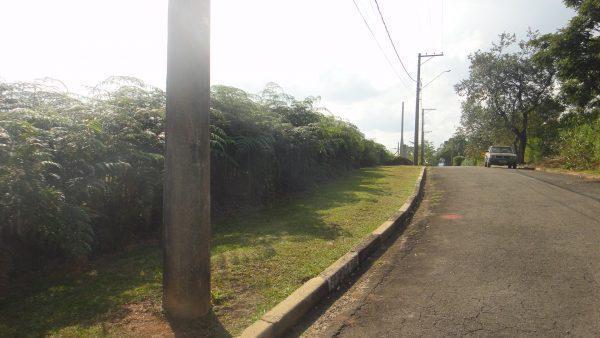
258,258
590,173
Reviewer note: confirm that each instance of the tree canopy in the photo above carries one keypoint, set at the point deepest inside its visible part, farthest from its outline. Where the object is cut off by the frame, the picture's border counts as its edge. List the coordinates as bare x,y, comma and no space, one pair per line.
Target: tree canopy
574,51
504,89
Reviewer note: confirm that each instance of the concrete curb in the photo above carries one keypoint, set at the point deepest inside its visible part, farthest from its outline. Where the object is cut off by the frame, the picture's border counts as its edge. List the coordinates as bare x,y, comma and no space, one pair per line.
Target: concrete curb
286,314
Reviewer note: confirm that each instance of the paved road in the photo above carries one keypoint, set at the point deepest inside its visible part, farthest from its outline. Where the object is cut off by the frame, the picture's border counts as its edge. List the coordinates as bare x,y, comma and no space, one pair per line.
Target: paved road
491,251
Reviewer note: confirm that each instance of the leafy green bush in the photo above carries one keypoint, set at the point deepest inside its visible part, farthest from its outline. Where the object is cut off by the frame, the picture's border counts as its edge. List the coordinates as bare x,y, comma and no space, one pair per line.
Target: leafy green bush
272,144
83,175
470,162
580,146
399,160
458,160
78,175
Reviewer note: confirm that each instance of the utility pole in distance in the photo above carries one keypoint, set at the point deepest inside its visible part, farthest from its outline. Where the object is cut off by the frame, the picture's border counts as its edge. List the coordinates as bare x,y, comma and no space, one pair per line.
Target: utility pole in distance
402,134
416,142
186,197
423,134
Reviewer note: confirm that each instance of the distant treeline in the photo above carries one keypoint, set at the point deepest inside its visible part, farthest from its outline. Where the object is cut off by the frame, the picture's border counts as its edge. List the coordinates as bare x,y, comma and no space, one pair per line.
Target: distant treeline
82,175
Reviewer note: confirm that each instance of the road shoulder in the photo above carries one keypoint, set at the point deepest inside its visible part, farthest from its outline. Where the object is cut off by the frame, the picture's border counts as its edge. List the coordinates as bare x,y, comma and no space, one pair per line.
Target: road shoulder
337,310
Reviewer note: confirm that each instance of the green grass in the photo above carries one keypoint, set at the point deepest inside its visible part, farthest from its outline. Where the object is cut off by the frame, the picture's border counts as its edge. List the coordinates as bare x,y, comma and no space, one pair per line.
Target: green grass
594,172
589,173
259,257
79,304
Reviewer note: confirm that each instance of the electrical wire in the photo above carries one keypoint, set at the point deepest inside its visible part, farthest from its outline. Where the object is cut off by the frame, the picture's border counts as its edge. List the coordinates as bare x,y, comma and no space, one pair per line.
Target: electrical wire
378,44
392,41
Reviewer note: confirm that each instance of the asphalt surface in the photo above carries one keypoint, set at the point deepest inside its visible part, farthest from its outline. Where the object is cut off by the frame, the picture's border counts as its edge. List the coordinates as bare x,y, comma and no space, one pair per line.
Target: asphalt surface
490,252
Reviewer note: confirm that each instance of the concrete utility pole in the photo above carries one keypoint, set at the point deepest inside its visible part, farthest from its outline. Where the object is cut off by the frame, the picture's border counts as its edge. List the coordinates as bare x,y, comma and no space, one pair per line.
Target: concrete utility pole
416,142
402,134
423,134
186,276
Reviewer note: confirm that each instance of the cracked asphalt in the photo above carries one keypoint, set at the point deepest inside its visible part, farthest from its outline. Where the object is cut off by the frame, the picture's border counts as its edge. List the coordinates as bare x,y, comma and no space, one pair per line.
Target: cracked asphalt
490,252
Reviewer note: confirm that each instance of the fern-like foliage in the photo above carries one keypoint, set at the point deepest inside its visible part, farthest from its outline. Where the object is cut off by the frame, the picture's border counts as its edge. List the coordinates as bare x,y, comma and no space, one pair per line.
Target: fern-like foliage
83,174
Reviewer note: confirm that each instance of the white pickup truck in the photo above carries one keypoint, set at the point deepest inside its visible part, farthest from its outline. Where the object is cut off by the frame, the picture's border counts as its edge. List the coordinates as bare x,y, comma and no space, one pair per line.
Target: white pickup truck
501,155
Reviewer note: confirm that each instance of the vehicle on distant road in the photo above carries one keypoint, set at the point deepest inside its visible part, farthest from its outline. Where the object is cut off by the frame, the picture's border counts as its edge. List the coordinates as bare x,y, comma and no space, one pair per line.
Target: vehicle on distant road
501,155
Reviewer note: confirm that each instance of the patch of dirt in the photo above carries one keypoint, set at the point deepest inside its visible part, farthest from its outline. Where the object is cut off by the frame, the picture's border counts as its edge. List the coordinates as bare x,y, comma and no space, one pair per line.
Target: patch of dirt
146,319
143,319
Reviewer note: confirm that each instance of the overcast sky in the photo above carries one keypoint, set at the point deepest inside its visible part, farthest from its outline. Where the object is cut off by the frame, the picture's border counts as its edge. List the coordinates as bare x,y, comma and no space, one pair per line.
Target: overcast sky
309,47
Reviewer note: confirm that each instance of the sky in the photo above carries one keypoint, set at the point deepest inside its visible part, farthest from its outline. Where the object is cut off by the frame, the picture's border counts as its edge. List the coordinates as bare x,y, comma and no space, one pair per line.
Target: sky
309,47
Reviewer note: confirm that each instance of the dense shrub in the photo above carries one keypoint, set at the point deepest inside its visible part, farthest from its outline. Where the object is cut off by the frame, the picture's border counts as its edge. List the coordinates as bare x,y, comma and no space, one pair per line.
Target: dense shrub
83,175
458,160
272,144
579,146
400,160
78,175
470,162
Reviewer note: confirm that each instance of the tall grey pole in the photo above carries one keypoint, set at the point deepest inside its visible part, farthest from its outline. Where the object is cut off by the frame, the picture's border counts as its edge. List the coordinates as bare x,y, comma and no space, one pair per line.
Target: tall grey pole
416,143
186,204
416,151
402,133
423,133
422,136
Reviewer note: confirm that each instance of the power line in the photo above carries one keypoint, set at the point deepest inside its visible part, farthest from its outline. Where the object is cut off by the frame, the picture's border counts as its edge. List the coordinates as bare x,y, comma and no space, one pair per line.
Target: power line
392,41
378,44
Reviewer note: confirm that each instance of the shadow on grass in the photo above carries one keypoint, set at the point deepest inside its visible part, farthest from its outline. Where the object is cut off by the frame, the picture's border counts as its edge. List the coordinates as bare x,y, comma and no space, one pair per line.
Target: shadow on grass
79,302
297,217
85,304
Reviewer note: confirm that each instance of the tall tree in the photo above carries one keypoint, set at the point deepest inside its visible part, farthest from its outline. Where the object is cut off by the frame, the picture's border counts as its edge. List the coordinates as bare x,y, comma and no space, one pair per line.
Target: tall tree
574,51
505,87
454,146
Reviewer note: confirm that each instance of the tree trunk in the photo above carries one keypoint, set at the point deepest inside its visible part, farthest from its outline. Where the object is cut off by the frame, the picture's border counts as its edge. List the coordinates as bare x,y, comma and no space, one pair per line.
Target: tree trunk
6,264
522,138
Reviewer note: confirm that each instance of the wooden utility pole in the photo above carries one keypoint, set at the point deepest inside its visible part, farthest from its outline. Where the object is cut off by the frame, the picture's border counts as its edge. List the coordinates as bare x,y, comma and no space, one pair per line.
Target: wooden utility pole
186,276
416,143
402,134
